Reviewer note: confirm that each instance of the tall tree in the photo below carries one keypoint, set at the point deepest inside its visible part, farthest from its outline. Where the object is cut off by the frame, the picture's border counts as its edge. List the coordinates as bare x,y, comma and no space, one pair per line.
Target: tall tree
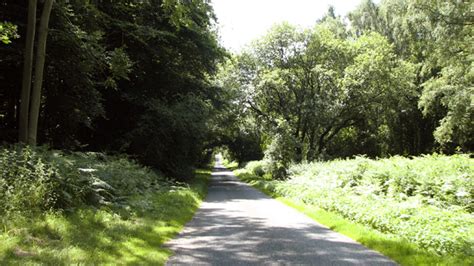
310,87
39,70
436,36
452,89
408,132
27,72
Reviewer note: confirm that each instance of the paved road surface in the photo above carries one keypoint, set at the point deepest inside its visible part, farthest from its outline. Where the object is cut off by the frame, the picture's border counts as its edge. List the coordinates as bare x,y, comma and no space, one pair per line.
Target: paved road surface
238,225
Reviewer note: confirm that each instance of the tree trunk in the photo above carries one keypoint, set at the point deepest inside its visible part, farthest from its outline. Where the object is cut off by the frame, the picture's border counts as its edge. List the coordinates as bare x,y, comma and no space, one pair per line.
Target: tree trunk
299,149
39,67
310,154
27,70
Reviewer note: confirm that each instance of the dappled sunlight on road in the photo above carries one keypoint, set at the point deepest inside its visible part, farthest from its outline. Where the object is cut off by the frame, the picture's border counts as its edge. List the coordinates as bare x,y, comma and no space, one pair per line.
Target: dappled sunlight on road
240,225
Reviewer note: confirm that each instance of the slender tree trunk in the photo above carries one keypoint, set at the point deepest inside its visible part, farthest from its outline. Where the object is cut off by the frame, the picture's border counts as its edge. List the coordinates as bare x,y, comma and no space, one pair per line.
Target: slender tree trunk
299,148
39,67
27,70
311,150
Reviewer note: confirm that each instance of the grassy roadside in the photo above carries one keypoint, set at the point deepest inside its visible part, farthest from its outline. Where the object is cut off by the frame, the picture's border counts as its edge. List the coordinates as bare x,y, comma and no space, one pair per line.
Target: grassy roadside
133,235
396,248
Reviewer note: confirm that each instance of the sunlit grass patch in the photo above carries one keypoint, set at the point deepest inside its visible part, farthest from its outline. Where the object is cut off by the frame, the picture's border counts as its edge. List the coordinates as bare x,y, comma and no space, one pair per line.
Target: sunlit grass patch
104,236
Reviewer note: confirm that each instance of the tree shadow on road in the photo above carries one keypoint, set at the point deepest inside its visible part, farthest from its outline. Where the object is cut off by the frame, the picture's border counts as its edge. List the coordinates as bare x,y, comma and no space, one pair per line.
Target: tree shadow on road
221,236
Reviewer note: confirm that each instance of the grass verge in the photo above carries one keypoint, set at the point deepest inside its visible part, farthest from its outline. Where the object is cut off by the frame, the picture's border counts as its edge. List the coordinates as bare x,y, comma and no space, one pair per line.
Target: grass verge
132,235
396,248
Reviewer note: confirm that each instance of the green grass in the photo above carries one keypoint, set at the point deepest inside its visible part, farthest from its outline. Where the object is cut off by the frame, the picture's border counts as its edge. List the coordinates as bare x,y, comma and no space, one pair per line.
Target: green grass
130,235
397,248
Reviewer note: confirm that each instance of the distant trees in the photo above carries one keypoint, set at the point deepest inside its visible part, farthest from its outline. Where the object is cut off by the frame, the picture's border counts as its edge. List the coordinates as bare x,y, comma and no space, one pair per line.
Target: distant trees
437,36
452,25
394,82
234,126
309,86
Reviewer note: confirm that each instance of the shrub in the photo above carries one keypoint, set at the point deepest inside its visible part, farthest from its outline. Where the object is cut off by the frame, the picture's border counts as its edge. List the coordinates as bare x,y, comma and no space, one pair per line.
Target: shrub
279,152
30,182
26,181
33,180
257,168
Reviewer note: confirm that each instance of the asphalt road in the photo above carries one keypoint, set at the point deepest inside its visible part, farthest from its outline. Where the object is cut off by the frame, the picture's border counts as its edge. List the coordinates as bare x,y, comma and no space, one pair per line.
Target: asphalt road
238,225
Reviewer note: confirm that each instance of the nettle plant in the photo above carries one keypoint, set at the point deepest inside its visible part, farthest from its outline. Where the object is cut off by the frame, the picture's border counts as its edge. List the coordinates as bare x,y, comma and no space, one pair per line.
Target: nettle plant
37,180
27,182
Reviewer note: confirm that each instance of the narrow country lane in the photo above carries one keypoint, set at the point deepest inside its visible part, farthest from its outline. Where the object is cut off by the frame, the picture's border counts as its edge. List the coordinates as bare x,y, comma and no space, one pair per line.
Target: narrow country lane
238,225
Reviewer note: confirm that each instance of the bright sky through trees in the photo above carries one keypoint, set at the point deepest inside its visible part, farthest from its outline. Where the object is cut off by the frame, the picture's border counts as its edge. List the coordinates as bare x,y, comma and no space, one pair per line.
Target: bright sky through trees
241,21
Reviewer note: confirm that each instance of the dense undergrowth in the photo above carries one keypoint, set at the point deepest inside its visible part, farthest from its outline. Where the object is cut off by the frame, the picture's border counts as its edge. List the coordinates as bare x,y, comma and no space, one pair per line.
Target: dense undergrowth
88,208
426,200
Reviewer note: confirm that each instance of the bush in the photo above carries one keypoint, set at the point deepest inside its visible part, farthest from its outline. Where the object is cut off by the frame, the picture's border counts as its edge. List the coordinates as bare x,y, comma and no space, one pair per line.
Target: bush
439,180
279,152
257,168
35,180
29,182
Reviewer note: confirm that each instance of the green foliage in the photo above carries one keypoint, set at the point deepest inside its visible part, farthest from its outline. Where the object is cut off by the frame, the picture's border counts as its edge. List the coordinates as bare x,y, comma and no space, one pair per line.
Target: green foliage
257,168
396,81
234,127
26,181
307,87
279,153
244,145
400,250
131,235
33,181
119,66
426,200
230,165
454,91
8,31
110,67
452,88
437,36
171,137
62,207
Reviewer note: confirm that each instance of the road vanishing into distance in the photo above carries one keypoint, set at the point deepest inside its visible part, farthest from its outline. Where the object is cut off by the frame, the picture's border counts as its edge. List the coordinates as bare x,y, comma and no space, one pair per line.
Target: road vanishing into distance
239,225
